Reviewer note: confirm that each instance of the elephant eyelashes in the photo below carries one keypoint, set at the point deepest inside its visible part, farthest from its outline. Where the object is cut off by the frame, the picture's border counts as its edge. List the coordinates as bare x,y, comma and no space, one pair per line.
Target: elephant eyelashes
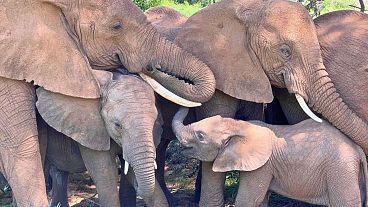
285,52
117,26
200,136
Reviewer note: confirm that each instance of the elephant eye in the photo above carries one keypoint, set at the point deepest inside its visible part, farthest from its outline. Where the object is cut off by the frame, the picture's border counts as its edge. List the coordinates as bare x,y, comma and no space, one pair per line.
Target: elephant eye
117,125
118,26
200,136
285,51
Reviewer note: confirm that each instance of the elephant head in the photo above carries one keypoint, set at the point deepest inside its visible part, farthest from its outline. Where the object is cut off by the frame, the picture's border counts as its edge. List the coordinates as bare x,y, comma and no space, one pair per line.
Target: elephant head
251,44
231,144
56,42
166,20
126,112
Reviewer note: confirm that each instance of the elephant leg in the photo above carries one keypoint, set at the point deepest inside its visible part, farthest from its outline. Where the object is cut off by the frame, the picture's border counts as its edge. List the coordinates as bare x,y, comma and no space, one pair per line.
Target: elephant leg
103,170
59,187
345,190
253,187
127,193
160,172
212,184
159,199
19,147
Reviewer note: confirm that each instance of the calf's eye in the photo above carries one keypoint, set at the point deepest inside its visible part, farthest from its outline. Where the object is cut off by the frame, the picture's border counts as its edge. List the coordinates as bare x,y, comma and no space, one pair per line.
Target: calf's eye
200,136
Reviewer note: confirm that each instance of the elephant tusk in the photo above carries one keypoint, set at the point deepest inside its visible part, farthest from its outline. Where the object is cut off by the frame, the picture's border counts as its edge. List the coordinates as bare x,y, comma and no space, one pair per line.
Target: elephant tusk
306,109
155,164
126,167
158,88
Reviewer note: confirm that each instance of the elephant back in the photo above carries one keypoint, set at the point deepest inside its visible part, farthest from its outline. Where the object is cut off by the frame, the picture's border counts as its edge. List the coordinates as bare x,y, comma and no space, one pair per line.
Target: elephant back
167,21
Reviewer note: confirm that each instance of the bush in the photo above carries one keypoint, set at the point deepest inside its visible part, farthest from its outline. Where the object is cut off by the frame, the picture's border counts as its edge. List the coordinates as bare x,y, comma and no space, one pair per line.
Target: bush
184,8
146,4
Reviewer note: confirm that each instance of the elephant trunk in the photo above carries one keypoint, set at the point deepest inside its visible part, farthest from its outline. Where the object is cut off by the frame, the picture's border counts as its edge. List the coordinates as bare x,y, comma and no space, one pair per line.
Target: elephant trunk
324,99
180,130
143,159
179,71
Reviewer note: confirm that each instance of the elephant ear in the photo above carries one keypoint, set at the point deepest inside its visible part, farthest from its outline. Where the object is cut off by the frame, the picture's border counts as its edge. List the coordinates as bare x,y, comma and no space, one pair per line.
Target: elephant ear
245,152
77,118
218,37
37,46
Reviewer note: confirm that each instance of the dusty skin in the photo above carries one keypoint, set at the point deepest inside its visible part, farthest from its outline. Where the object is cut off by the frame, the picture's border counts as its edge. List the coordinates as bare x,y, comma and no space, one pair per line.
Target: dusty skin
310,161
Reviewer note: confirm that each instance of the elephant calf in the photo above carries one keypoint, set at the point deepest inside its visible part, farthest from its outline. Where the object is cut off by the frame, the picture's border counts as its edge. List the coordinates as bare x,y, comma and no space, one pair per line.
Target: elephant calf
310,161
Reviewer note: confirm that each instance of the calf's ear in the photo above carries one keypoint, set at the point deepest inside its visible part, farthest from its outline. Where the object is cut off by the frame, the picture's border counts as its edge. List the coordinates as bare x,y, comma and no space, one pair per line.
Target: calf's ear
247,151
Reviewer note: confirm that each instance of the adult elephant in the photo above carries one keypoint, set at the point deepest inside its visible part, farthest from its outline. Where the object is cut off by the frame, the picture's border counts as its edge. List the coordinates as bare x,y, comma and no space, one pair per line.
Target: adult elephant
54,44
342,36
251,44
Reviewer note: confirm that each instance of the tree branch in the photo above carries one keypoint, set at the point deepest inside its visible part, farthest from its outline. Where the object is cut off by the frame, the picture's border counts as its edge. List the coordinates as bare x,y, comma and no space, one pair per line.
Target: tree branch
362,7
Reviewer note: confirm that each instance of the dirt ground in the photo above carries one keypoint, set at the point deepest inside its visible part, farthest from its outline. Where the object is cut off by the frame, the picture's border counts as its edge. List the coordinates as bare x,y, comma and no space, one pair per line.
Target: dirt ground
180,174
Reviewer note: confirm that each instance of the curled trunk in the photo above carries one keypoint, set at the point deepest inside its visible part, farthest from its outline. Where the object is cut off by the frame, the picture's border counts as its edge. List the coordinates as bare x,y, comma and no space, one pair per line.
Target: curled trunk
179,71
324,99
178,127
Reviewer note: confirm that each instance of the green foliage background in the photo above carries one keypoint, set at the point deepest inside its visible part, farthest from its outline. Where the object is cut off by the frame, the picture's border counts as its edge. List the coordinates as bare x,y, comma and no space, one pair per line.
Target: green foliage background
189,7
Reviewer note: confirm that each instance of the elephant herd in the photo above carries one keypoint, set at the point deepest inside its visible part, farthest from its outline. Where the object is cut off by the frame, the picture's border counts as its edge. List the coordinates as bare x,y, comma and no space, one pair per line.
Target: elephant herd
78,83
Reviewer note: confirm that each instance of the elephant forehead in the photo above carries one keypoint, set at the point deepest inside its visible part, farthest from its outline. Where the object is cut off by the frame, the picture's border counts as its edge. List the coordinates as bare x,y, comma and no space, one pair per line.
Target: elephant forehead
212,125
128,89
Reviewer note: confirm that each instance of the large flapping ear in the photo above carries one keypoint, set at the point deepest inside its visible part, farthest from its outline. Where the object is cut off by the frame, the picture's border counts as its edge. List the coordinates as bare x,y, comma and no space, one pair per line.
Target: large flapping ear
218,37
75,117
37,46
245,152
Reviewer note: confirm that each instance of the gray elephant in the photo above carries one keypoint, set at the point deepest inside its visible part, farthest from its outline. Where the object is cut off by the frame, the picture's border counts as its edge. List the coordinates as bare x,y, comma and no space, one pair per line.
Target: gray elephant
251,45
310,161
342,37
126,112
65,156
54,44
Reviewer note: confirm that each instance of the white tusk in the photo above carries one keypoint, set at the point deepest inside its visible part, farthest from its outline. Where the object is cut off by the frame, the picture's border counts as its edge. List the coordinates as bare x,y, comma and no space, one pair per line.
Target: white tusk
126,167
306,108
155,164
168,94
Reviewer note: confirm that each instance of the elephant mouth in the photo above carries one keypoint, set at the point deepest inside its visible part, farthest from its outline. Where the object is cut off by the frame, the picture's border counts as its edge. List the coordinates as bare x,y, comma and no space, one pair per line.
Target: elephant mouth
306,109
162,91
168,74
188,151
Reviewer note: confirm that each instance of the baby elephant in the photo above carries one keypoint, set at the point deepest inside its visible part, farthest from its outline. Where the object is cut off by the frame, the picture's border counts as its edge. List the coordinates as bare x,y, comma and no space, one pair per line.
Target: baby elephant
312,162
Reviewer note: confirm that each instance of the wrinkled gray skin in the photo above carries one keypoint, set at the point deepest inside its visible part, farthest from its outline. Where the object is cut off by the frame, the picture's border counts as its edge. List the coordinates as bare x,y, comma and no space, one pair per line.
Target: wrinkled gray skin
81,35
65,156
127,113
309,161
342,36
169,23
256,44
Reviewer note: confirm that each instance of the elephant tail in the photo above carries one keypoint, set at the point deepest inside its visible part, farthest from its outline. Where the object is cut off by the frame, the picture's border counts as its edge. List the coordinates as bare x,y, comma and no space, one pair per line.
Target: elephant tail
363,176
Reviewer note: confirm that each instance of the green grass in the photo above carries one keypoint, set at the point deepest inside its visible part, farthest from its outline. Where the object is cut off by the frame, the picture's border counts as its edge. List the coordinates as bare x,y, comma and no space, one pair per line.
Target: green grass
184,8
334,5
